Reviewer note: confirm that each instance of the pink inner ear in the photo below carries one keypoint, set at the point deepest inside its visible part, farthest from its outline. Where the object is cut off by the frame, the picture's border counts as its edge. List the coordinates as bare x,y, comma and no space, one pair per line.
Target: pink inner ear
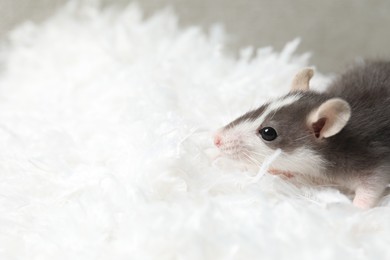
317,126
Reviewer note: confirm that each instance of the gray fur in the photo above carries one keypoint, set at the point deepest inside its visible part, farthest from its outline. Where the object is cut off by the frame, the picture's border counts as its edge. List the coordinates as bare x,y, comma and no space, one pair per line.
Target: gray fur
364,143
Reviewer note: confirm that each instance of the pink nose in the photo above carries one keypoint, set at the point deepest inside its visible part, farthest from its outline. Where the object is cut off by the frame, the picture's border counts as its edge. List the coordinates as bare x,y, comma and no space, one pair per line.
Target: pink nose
217,140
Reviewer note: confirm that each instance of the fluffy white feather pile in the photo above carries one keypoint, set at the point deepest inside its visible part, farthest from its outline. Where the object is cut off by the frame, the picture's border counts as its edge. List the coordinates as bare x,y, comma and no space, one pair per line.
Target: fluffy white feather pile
105,134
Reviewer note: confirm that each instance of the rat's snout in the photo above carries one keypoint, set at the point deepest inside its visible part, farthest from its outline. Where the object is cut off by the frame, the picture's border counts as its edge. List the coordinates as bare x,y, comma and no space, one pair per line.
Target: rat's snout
228,143
217,140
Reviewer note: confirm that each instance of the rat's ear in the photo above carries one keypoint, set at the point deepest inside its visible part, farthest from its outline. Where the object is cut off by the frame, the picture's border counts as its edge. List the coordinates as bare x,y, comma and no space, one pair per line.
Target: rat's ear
329,118
301,80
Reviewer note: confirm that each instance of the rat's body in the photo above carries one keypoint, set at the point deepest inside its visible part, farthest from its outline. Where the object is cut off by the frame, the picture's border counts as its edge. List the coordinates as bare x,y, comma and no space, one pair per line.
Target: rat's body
342,135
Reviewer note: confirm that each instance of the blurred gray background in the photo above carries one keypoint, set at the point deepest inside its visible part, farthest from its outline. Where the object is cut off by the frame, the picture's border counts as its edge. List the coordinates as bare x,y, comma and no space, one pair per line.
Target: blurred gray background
335,31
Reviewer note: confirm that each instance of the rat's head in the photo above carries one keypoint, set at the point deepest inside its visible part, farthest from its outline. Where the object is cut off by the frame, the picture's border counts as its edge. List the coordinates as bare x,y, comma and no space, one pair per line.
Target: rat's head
297,123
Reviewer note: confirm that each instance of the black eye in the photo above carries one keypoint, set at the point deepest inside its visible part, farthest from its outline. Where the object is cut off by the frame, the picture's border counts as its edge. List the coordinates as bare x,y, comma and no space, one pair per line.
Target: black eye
268,133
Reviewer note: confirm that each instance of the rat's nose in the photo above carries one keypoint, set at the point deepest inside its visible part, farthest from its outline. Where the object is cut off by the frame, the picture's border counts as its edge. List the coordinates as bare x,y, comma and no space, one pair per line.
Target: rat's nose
217,140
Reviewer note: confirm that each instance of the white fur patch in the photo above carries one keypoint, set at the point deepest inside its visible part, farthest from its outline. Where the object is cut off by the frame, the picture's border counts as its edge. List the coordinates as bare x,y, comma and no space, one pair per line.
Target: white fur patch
301,160
275,106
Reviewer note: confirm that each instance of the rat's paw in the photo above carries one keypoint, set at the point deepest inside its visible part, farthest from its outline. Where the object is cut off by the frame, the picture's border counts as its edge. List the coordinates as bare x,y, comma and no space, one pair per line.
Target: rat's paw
363,202
370,190
365,198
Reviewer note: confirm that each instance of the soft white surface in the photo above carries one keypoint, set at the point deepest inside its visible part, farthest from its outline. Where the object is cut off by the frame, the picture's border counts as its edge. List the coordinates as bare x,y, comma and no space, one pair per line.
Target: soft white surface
105,128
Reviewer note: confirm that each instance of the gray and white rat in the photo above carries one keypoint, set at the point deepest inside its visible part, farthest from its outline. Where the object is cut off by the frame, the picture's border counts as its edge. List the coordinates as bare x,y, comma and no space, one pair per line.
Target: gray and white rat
340,136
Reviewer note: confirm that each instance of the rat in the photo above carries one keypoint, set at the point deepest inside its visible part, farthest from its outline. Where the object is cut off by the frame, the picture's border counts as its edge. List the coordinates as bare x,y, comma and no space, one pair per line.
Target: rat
341,135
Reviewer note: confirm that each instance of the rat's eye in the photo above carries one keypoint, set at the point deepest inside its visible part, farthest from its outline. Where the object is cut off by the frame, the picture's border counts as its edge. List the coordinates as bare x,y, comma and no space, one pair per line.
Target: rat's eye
268,133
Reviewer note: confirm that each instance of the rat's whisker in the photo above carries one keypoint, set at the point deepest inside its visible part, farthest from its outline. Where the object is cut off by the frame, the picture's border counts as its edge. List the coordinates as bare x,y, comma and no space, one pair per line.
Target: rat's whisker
250,159
303,137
